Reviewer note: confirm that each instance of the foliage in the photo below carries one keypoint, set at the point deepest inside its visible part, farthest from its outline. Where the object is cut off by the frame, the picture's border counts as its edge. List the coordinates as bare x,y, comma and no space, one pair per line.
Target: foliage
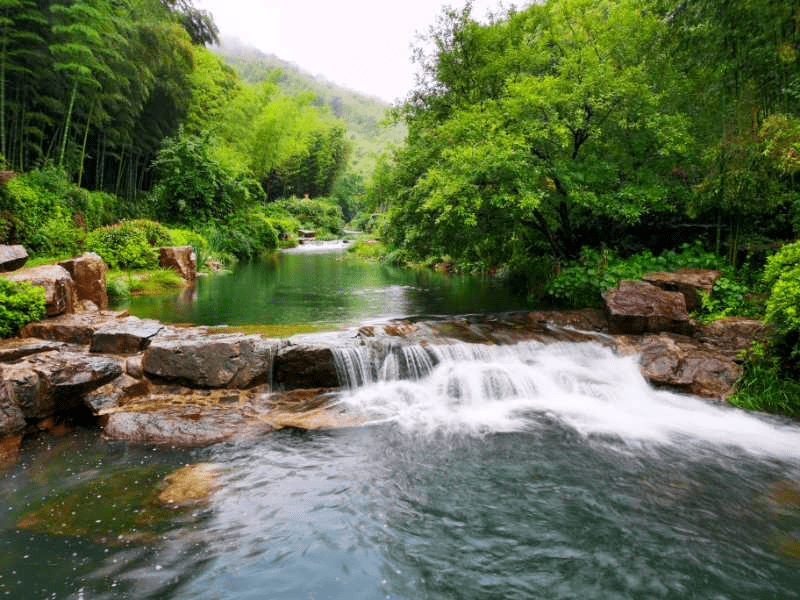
543,132
763,387
193,186
320,214
187,237
782,274
580,283
20,303
244,235
130,244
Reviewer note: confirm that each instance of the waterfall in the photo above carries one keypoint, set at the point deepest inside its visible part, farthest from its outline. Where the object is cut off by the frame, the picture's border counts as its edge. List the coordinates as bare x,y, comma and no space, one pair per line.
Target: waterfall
478,388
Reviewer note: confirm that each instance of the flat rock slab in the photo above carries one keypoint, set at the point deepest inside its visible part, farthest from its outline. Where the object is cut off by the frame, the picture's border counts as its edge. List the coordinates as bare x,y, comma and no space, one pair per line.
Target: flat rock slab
211,361
636,307
190,417
115,394
78,328
127,335
59,288
12,257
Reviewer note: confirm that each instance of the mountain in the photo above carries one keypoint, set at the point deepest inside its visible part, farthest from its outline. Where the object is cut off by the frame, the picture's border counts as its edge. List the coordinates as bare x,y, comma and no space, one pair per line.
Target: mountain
366,116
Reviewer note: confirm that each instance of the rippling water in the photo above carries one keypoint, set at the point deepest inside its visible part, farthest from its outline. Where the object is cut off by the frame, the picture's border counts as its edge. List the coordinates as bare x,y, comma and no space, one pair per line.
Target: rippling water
522,472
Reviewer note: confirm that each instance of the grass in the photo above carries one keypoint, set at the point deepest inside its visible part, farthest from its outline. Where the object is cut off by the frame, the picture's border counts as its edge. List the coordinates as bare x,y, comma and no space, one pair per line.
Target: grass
121,284
271,331
761,388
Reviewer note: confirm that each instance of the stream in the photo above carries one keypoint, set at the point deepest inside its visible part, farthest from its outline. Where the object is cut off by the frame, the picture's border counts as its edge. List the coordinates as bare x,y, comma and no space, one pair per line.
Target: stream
522,471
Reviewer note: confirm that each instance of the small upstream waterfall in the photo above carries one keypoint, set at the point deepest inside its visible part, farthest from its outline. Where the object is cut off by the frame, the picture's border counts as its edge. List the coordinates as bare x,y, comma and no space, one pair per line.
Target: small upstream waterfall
476,388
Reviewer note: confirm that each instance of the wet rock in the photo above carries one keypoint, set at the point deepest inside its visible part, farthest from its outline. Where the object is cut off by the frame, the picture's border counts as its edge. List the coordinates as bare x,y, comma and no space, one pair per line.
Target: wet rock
180,258
115,394
14,349
52,382
682,364
89,274
12,257
190,485
133,366
305,366
125,336
732,335
10,447
212,361
689,282
638,307
60,294
12,420
76,328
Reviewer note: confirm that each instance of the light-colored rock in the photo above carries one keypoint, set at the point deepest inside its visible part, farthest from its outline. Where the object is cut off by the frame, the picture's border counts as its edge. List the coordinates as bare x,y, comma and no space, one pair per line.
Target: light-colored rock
12,257
60,295
180,258
89,274
190,485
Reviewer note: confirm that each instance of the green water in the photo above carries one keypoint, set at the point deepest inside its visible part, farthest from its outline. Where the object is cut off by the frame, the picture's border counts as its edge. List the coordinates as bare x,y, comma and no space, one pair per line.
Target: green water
330,289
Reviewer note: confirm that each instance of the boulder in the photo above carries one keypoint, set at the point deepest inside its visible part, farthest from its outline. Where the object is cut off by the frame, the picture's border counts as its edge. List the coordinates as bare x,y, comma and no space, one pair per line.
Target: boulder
180,258
305,366
77,328
682,364
89,274
211,361
12,257
48,383
12,421
732,335
636,307
113,395
60,295
125,336
689,282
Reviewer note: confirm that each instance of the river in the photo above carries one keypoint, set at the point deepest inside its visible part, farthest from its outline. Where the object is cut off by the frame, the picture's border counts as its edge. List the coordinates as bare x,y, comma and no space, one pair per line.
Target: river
526,471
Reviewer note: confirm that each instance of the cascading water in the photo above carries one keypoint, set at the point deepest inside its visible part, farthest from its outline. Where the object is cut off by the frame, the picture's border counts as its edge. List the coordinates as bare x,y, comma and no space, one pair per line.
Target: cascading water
480,388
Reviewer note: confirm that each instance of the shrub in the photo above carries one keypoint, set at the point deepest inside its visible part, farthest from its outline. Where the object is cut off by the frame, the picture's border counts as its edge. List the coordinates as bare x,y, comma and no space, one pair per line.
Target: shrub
782,274
29,201
186,237
245,234
20,303
321,214
129,244
580,283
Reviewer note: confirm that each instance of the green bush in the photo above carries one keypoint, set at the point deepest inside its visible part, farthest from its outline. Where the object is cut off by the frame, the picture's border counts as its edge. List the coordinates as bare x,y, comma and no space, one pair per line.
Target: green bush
29,201
20,303
320,214
245,234
782,274
186,237
580,283
129,244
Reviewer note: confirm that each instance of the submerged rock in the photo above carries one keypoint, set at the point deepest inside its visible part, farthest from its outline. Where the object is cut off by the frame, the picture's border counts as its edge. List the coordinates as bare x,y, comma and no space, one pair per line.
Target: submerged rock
190,485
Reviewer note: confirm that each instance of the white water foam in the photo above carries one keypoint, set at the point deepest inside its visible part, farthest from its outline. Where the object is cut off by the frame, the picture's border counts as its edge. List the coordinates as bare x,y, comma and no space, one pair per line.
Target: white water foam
482,389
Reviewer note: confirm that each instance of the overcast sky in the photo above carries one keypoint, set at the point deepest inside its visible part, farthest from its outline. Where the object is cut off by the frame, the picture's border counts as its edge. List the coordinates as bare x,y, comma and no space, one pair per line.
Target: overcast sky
364,45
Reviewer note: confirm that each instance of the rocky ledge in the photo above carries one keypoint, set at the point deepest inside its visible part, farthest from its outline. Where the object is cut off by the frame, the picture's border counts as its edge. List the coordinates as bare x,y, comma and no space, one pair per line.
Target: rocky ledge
144,381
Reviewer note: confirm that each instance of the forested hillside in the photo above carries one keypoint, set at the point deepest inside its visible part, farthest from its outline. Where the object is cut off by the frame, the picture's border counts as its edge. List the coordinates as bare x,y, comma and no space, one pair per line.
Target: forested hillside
371,131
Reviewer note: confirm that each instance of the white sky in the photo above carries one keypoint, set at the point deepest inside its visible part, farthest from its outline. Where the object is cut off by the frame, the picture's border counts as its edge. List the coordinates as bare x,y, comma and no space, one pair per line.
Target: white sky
364,45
